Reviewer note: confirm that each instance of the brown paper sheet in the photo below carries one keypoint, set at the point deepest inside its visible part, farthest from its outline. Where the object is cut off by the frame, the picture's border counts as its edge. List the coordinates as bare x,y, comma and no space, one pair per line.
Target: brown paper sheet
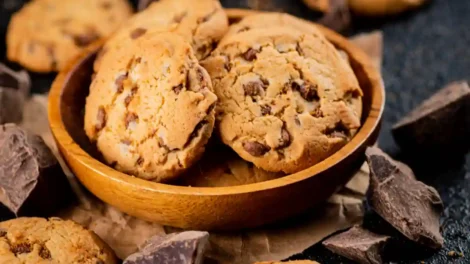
125,233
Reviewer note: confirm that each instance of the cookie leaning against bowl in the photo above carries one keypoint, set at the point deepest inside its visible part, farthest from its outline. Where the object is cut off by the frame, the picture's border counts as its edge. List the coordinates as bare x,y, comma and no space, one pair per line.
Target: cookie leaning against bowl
202,23
287,100
38,240
45,34
151,107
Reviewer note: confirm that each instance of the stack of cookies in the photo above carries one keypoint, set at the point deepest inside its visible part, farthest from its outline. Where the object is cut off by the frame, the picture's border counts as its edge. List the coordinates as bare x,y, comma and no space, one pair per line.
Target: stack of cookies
270,87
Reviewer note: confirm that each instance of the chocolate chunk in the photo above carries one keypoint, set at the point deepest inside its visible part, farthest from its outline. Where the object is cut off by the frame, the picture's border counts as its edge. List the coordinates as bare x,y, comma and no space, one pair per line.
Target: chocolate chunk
128,98
254,88
177,248
44,253
130,118
143,4
265,109
100,118
307,90
14,88
285,140
410,206
86,39
138,32
120,83
255,148
441,124
21,248
250,54
358,244
338,16
177,89
31,179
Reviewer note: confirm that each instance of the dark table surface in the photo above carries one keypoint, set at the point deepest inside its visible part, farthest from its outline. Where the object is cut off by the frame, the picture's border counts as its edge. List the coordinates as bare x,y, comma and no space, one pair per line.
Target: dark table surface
423,51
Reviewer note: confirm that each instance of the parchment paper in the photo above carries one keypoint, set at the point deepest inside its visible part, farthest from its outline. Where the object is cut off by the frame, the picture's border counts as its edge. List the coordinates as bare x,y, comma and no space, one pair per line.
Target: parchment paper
125,233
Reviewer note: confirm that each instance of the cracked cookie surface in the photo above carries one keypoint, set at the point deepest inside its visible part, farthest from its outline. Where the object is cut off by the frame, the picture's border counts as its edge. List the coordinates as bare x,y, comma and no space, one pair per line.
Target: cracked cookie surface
45,34
151,108
287,100
38,240
202,23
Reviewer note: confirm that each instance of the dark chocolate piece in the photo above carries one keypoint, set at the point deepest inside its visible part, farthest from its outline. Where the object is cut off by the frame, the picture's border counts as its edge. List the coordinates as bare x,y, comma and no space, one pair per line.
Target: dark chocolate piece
338,16
32,182
143,4
410,206
177,248
14,88
358,244
439,124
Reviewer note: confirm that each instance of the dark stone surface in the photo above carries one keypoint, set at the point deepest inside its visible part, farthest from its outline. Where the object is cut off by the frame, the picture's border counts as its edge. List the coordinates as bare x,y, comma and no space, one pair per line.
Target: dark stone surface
424,50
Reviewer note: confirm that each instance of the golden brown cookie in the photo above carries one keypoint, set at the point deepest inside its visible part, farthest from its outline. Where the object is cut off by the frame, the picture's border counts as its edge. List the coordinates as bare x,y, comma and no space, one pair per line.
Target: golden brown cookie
38,240
383,7
269,20
151,109
45,34
319,5
287,99
202,23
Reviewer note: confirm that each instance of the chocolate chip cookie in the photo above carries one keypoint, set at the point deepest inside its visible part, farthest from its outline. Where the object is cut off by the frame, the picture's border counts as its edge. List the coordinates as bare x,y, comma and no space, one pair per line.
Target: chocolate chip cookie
287,99
202,23
151,107
45,34
269,20
39,240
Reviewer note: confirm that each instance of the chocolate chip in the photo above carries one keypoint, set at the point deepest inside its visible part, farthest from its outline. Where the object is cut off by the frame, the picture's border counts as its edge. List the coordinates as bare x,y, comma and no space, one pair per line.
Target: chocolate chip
138,60
299,50
243,29
126,142
120,83
21,248
227,66
44,253
317,113
253,88
138,32
130,117
339,131
255,148
178,18
128,98
339,134
250,54
177,89
3,233
265,109
297,121
284,141
85,39
196,130
307,90
140,161
201,77
106,5
100,118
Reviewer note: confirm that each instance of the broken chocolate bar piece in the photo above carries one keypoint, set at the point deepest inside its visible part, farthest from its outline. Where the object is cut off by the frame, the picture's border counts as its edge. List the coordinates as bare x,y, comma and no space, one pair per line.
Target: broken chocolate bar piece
143,4
176,248
358,244
32,182
439,124
338,16
410,206
14,88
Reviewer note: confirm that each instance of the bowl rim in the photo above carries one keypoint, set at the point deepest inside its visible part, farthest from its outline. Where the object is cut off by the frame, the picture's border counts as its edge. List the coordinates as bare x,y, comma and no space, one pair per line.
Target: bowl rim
74,151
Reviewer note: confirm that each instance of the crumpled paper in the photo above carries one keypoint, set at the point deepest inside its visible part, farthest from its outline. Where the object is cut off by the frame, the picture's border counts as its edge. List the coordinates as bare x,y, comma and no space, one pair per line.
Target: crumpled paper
276,242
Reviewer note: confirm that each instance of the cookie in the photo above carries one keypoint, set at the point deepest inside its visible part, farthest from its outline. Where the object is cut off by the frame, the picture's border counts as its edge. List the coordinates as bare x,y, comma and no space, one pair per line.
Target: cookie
318,5
46,34
202,23
287,99
39,240
269,20
384,7
151,109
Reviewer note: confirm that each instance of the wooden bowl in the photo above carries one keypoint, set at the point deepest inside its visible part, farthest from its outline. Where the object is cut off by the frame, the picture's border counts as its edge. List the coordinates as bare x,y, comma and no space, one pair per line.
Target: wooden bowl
210,208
